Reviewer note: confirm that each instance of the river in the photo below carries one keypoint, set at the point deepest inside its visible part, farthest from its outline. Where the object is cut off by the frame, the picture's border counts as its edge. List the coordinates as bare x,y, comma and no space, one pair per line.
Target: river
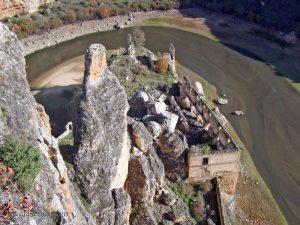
271,126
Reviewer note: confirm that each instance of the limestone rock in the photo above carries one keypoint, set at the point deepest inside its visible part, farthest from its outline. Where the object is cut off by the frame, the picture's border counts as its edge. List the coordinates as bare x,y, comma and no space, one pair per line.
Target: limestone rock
142,215
100,135
157,107
140,183
177,213
21,117
141,136
238,113
168,198
14,7
122,206
199,88
220,117
171,144
169,121
221,101
119,25
156,166
154,128
138,104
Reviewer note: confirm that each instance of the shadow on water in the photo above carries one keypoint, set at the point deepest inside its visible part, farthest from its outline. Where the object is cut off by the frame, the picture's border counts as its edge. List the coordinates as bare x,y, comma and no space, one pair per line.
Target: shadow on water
271,126
254,49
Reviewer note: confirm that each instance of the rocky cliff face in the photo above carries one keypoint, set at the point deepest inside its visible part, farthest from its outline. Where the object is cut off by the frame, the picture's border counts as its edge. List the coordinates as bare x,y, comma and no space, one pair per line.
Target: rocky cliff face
12,7
101,140
21,117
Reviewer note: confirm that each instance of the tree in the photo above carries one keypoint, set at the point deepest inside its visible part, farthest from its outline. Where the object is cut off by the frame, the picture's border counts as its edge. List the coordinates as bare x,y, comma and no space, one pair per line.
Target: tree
55,23
70,16
138,36
103,11
162,65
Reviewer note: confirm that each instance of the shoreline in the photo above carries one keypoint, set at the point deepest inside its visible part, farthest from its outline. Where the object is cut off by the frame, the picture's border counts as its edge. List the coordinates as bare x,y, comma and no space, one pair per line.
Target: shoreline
35,43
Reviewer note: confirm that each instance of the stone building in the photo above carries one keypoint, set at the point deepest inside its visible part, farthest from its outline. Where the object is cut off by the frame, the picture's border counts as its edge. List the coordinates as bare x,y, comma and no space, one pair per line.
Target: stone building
218,156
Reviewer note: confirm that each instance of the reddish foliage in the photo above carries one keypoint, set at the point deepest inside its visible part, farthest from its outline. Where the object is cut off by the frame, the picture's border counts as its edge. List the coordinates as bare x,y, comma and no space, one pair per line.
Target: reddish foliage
7,205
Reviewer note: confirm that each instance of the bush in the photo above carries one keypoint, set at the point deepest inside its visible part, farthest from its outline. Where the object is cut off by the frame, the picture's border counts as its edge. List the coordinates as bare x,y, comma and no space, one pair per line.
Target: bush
138,36
144,71
56,23
162,65
70,16
103,12
23,159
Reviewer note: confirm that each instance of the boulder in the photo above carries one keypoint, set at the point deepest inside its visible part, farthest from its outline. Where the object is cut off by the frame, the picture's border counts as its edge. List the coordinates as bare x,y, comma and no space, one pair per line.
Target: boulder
168,198
158,107
171,144
220,117
141,136
154,128
140,183
169,121
119,25
156,166
138,104
221,101
238,113
199,88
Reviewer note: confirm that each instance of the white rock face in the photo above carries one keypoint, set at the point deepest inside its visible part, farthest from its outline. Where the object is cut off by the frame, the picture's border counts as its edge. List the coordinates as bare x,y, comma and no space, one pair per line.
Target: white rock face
170,121
222,119
158,107
12,7
199,88
222,101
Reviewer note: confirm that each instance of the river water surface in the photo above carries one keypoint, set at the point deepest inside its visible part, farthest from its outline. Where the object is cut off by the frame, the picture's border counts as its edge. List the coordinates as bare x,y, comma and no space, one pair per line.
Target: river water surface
271,126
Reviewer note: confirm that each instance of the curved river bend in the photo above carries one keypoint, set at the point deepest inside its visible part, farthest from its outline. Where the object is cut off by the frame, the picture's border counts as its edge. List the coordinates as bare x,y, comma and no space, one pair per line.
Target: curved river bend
271,126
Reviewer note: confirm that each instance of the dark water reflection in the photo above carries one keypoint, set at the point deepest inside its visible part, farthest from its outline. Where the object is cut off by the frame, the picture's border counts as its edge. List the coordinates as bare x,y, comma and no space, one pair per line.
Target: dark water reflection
271,125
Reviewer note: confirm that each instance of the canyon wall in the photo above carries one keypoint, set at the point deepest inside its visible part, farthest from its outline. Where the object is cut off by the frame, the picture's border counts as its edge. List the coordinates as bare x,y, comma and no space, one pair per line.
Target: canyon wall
23,119
12,7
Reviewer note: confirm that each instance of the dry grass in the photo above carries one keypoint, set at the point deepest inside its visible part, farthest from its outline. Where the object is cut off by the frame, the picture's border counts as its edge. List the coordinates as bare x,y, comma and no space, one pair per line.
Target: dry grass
184,22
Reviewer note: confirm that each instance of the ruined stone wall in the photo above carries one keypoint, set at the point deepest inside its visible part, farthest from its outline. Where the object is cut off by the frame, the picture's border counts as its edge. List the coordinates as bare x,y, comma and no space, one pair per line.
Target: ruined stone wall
219,164
12,7
223,162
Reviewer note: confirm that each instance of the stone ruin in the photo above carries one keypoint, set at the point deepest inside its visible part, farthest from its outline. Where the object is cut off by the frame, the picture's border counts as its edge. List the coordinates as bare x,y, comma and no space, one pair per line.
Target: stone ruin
170,56
130,49
185,126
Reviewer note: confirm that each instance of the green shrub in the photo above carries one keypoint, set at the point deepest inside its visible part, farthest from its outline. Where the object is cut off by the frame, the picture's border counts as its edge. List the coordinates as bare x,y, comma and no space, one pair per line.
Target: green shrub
70,16
103,11
23,159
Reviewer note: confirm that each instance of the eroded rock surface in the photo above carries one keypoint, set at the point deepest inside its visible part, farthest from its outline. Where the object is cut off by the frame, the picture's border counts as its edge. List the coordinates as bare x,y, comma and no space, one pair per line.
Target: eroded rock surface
22,118
101,139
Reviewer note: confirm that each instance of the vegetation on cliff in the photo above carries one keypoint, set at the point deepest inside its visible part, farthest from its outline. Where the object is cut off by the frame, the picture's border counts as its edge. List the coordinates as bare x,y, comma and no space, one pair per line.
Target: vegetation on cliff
277,14
23,159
